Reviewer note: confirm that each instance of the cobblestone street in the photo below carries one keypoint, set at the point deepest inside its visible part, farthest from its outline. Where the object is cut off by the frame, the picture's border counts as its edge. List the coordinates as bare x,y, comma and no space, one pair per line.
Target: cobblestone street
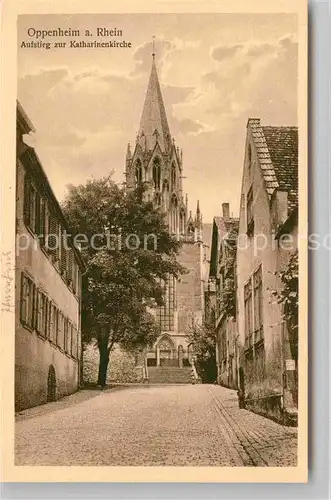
155,425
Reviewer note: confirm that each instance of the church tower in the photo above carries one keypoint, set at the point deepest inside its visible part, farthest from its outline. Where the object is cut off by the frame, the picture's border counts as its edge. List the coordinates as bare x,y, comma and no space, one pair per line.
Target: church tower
157,161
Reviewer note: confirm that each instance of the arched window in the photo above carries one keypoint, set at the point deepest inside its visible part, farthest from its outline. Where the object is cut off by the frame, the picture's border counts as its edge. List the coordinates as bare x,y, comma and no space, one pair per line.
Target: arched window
139,172
182,222
157,173
166,195
173,177
190,229
174,213
158,199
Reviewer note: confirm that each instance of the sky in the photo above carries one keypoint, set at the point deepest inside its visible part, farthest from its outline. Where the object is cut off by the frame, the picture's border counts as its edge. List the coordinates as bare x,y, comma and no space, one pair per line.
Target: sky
215,72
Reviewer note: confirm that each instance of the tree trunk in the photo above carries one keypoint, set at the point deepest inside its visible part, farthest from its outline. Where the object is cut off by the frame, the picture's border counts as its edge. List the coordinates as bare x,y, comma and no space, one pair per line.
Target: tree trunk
103,363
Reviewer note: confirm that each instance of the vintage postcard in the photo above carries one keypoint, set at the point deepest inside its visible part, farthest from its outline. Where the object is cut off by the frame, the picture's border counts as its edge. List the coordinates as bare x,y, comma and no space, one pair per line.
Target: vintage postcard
154,258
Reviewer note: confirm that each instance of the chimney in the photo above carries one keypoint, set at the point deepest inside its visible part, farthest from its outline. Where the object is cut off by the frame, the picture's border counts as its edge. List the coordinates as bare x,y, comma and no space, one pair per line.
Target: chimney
226,210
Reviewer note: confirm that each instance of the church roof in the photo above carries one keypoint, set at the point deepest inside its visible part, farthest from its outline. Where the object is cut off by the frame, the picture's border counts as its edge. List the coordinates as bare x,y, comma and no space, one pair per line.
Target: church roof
154,119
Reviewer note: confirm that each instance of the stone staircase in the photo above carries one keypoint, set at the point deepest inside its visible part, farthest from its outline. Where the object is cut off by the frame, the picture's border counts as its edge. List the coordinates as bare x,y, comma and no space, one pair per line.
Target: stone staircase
169,375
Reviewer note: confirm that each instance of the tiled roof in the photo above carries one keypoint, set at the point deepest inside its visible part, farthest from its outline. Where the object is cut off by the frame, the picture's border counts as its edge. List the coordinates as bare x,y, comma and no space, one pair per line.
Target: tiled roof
282,144
232,226
277,150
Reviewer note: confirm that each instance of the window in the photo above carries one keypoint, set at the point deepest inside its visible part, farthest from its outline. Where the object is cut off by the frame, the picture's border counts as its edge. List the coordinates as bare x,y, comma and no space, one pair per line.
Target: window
69,338
29,204
190,229
157,173
27,301
41,319
32,209
174,214
182,222
139,172
42,222
52,322
173,177
74,343
70,258
158,199
250,214
166,195
53,237
74,275
223,344
60,331
66,336
63,248
166,312
248,314
258,305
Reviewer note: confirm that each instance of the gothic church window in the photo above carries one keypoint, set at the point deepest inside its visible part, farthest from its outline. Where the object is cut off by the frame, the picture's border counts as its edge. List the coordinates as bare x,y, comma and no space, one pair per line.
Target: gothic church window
166,195
139,172
190,229
174,213
182,222
157,173
173,176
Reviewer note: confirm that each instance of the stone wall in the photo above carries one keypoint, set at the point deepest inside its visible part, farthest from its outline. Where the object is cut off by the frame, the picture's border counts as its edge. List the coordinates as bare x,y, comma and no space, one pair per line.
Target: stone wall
121,368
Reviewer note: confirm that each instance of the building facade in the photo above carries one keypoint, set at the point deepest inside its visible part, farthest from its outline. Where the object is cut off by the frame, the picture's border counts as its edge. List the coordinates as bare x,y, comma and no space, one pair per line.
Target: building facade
222,278
47,287
268,208
156,161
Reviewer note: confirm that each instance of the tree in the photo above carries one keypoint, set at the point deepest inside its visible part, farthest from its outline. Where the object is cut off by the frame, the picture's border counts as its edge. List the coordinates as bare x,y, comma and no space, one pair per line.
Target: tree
129,255
203,338
288,297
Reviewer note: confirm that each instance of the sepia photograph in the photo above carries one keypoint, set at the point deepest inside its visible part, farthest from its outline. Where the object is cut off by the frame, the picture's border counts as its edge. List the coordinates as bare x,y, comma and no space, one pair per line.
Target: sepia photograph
157,244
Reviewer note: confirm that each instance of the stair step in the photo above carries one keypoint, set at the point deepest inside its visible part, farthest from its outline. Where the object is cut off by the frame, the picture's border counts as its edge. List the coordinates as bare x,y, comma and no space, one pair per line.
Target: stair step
169,375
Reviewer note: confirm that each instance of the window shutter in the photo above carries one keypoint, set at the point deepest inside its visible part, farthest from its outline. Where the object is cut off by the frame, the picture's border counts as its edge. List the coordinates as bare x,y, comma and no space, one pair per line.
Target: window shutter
37,213
70,267
63,261
26,201
74,275
53,239
23,299
42,228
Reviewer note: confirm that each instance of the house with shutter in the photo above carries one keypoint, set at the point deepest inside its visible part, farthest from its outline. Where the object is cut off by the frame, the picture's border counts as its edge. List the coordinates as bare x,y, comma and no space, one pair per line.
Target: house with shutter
222,282
267,241
47,287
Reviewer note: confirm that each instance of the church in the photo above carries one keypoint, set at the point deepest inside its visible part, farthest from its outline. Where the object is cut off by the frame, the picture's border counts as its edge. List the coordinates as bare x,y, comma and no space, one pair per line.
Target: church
158,162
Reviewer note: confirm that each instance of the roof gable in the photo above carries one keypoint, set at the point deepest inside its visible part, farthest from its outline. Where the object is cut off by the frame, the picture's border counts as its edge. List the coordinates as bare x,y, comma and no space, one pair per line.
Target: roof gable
277,152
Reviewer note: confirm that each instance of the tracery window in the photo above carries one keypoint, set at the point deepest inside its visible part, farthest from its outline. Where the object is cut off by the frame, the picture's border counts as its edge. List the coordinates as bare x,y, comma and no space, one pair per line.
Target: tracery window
173,177
139,172
157,173
174,213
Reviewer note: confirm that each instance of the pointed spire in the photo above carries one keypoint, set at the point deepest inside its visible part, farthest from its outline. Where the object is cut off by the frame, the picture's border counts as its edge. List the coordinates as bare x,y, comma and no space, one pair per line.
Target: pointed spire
198,210
128,152
154,115
153,53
